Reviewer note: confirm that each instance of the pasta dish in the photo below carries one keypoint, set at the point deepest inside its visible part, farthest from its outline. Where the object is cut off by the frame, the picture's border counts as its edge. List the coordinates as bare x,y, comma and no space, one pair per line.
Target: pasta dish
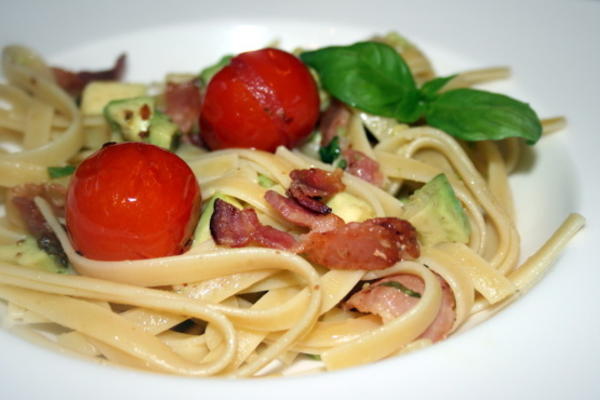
341,205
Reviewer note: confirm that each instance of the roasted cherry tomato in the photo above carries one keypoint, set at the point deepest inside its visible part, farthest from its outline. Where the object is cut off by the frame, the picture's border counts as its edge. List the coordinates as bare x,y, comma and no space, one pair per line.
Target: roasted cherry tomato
262,99
132,201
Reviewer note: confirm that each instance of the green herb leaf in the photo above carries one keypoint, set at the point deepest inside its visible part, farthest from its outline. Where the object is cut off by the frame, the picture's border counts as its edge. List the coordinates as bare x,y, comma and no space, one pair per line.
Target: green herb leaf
402,288
59,172
430,89
370,76
373,77
341,163
207,73
473,115
330,152
315,357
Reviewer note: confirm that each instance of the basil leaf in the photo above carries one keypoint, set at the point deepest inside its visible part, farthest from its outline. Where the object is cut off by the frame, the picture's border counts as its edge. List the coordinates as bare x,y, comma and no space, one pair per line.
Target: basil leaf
59,172
330,152
402,288
473,115
370,76
430,88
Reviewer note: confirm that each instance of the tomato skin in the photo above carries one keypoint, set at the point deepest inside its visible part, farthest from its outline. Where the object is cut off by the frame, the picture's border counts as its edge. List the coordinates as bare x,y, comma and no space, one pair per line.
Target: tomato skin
262,99
132,201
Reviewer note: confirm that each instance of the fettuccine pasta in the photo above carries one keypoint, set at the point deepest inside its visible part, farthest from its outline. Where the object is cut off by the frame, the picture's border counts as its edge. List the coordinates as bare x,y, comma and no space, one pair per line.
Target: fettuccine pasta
243,312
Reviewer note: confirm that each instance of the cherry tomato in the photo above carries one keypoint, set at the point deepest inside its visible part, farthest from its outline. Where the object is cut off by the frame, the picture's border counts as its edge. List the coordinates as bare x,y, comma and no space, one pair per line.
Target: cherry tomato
262,99
132,201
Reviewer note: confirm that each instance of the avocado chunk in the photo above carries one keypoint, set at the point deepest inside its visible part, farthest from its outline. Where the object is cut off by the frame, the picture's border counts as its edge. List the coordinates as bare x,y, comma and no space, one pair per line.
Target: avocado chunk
202,232
265,181
137,120
437,214
163,132
350,208
27,253
207,73
131,117
96,95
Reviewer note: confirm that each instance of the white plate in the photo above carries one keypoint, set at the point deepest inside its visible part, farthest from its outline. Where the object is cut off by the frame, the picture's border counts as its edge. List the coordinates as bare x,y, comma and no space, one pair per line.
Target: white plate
545,345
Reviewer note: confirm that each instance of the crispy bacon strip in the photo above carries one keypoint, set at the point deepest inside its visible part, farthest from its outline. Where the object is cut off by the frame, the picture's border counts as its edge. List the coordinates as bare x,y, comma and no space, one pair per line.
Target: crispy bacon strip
390,302
22,198
373,244
74,82
54,193
232,227
296,214
333,119
363,166
310,186
337,116
183,103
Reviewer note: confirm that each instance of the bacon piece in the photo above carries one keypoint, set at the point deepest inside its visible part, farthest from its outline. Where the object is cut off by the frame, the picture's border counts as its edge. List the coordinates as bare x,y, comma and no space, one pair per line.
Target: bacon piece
338,116
21,197
389,302
74,82
373,244
296,214
310,186
183,103
232,227
54,193
363,166
335,117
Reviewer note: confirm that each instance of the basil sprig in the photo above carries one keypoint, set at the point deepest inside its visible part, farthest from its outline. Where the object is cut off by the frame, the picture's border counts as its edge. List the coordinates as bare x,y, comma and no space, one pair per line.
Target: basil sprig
373,77
370,76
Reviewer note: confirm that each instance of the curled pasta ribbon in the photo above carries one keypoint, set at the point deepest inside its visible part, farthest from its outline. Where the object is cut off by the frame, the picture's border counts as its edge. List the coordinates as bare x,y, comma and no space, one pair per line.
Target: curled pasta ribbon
35,98
409,141
378,343
198,267
527,274
93,320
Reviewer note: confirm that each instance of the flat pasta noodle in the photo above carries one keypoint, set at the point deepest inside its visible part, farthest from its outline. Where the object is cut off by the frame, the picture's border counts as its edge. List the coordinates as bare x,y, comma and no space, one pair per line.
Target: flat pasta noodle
29,88
385,340
242,312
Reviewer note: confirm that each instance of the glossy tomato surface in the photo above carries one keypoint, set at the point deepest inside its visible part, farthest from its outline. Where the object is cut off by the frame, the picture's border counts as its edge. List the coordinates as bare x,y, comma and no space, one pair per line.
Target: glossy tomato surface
262,99
132,201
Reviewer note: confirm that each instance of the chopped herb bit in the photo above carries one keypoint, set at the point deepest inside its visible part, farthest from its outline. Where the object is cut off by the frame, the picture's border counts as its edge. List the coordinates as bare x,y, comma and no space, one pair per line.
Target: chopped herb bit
402,288
315,357
330,152
59,172
341,163
265,181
